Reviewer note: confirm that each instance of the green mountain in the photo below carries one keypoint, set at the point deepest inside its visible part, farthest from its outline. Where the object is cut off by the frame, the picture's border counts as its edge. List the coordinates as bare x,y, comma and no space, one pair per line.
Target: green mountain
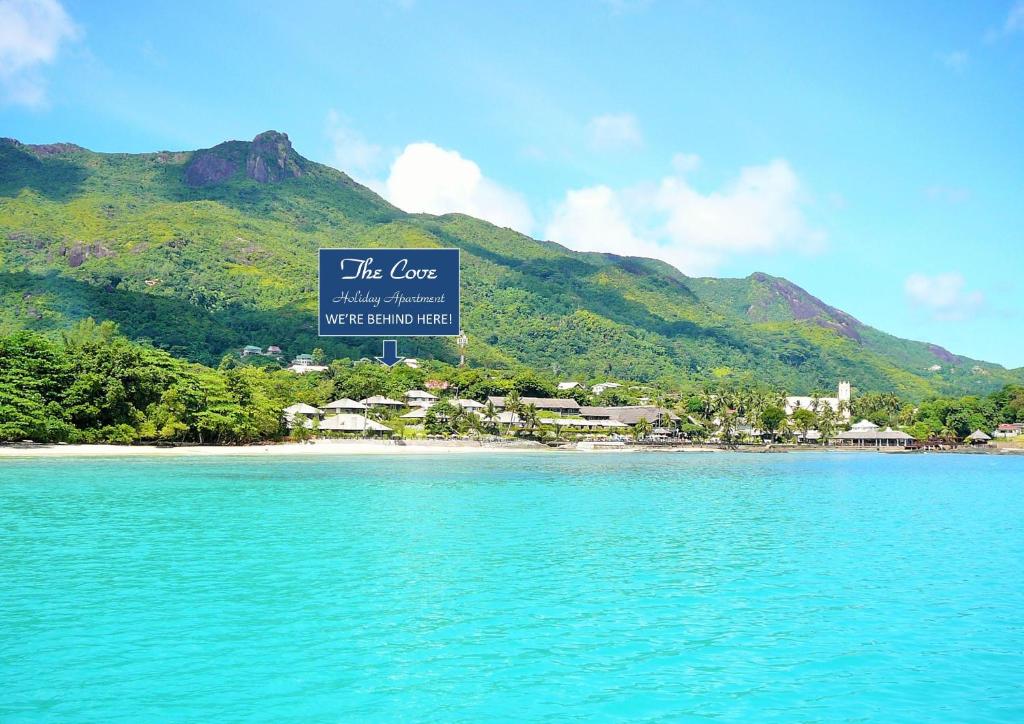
203,252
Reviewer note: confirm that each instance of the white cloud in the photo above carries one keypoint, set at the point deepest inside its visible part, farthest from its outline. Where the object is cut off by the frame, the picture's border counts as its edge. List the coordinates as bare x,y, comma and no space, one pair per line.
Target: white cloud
351,152
593,219
1015,19
429,179
761,212
1013,24
944,297
614,132
31,34
956,60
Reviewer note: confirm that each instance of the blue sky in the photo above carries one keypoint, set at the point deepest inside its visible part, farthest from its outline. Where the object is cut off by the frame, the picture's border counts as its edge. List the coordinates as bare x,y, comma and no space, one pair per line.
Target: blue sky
870,152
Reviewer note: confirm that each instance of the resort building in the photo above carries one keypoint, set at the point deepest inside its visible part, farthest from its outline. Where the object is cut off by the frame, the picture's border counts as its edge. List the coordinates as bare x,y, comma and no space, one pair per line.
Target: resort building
600,387
867,434
300,414
381,401
840,402
562,406
564,423
419,398
250,350
344,406
417,413
568,385
273,351
1009,429
352,423
632,414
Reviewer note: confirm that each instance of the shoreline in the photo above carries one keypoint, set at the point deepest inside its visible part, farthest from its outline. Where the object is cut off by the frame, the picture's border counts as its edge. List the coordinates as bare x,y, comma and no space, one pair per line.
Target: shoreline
285,449
321,448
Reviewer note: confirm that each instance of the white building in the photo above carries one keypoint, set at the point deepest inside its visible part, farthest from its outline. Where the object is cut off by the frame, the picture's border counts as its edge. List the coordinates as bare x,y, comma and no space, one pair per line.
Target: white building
303,363
813,404
344,406
351,423
419,398
600,387
1009,429
568,385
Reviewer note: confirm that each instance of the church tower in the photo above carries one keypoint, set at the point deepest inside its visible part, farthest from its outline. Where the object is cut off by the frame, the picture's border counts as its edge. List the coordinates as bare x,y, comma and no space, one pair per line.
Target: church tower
844,397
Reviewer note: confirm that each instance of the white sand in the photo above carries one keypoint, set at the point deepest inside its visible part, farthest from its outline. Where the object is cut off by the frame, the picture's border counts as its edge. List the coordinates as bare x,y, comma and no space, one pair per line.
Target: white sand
319,447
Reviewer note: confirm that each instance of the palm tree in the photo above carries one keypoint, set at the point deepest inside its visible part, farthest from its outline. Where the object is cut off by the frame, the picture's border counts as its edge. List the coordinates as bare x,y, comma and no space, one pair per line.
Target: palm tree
513,405
491,415
474,424
826,423
530,418
708,403
642,429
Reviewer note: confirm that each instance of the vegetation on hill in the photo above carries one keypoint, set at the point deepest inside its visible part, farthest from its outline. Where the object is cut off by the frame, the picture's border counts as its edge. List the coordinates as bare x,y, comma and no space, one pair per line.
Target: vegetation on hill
199,253
93,385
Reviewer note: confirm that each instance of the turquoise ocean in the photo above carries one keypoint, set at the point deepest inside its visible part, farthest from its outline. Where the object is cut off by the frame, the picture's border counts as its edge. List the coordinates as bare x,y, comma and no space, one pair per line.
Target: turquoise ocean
791,587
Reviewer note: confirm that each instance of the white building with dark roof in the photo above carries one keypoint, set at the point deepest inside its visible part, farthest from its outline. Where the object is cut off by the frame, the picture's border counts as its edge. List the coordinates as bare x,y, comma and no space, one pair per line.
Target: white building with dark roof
561,405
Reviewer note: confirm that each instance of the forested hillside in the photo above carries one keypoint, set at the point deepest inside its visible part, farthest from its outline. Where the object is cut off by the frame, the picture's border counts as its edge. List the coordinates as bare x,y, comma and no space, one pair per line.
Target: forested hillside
203,252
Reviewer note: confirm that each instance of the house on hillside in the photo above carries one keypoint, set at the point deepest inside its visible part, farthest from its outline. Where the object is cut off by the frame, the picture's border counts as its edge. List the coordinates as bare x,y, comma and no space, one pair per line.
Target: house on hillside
251,350
344,406
600,387
1009,429
471,405
381,401
419,398
304,363
563,406
563,386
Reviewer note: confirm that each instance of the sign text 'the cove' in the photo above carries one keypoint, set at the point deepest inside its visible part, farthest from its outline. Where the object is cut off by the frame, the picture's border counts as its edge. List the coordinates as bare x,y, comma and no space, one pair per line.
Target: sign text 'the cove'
389,292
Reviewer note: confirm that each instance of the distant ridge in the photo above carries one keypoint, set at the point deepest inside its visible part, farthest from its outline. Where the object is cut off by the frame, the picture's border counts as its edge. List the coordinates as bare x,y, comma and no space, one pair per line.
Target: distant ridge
202,252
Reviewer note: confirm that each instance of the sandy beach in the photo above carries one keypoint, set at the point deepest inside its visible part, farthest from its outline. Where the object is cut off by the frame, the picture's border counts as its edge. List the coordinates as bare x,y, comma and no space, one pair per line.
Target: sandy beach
419,447
315,448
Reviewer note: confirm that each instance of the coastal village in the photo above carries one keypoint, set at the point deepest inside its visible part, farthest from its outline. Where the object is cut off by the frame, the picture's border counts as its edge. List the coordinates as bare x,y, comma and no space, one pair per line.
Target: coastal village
584,418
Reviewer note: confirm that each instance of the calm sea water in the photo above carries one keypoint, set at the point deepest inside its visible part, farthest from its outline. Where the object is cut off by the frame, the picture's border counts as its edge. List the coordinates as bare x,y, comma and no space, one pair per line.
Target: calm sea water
659,587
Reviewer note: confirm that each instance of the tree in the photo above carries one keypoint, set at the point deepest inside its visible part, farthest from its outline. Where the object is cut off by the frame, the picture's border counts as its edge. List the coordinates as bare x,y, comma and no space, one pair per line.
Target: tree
804,420
513,406
827,423
771,419
530,418
642,429
441,419
490,413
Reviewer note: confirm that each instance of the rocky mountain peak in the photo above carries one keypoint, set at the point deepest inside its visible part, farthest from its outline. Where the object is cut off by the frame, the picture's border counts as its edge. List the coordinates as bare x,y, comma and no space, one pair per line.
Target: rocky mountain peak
268,158
272,158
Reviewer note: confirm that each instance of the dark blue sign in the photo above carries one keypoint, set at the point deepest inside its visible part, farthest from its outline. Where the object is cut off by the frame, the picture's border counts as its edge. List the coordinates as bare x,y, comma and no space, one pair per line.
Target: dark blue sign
389,292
